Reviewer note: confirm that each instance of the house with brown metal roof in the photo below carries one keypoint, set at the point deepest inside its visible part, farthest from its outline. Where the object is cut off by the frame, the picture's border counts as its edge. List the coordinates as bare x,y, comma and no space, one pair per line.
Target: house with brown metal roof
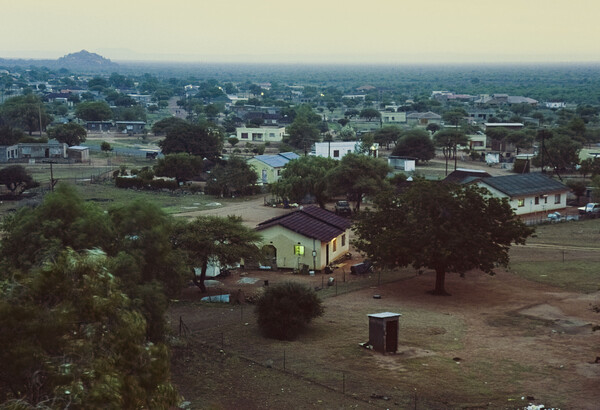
310,236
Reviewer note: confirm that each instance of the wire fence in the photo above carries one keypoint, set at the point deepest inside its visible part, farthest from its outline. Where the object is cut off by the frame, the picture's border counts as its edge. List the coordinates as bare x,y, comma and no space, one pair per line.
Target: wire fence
233,330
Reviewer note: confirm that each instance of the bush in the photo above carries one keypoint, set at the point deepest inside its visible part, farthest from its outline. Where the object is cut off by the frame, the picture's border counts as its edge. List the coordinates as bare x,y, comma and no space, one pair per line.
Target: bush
284,310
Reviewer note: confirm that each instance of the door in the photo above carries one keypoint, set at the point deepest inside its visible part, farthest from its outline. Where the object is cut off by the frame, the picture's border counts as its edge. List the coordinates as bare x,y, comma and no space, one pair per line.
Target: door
391,336
326,254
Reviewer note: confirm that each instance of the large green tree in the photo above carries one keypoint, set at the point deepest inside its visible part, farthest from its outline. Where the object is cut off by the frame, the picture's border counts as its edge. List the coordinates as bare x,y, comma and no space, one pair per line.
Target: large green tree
369,114
210,239
163,126
181,166
415,143
449,140
443,227
358,176
16,179
387,135
71,133
26,112
137,237
232,177
93,111
195,139
71,338
305,176
559,151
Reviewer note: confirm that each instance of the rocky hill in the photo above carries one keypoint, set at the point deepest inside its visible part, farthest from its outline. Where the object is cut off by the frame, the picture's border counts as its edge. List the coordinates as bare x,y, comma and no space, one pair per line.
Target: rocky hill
80,61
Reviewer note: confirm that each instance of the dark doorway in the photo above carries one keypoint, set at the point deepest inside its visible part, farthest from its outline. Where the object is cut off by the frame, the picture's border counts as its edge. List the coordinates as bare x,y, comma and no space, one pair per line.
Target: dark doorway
326,254
391,336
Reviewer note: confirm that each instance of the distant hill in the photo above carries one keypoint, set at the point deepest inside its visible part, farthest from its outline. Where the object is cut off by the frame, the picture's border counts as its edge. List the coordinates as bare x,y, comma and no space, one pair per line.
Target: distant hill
80,61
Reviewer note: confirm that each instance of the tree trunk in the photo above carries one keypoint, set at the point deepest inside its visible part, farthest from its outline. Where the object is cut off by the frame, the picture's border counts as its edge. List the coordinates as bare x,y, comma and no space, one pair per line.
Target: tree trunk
440,280
200,281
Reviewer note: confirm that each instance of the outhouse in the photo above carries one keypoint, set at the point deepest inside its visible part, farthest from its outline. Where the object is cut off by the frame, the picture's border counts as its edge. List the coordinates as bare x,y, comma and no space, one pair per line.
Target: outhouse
383,332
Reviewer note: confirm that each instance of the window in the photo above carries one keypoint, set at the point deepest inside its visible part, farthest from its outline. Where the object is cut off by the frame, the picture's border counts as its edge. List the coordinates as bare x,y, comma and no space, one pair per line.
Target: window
557,199
537,200
278,172
521,202
245,135
344,240
334,245
271,135
336,153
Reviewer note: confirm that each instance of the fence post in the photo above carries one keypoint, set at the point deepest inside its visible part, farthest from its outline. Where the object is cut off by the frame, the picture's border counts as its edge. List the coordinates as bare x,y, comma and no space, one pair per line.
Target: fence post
283,359
180,324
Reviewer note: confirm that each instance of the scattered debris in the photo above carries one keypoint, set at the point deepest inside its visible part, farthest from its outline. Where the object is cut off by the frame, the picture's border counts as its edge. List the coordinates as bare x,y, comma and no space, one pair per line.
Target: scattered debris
376,296
248,281
216,298
269,363
379,396
457,359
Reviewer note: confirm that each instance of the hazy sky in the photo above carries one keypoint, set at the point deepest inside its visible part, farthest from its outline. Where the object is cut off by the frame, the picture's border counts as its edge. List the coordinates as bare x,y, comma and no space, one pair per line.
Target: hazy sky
350,31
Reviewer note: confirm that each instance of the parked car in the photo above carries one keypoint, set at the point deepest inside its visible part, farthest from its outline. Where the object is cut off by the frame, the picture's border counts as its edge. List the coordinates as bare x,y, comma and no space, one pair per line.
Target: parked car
365,266
342,208
592,209
556,217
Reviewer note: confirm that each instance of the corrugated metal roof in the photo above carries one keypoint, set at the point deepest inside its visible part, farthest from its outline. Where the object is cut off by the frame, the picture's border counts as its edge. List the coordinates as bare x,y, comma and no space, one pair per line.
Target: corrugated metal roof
463,176
279,160
525,184
312,222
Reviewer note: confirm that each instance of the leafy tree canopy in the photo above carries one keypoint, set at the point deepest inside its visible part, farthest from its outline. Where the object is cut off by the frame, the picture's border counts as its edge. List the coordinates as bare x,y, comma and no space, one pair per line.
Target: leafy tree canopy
71,133
163,126
232,177
215,239
93,111
182,166
195,139
26,112
71,337
417,144
16,179
305,176
444,227
358,176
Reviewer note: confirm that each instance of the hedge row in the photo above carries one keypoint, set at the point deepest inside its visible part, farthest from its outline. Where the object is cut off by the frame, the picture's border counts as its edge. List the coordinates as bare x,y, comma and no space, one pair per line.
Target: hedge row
139,183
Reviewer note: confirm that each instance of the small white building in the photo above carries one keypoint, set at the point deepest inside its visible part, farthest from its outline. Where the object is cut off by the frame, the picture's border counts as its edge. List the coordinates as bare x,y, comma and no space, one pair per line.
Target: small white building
407,164
261,134
393,117
335,149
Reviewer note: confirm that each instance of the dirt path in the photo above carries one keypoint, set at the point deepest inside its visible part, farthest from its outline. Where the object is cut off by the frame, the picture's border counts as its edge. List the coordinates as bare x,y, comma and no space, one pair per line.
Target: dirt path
252,211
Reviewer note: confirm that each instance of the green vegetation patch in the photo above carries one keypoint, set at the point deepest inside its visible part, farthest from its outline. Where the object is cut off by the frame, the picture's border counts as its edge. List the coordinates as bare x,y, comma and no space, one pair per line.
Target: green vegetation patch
579,275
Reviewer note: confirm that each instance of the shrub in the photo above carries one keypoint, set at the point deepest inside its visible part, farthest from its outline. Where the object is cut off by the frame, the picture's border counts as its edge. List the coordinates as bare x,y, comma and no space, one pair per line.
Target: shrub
284,310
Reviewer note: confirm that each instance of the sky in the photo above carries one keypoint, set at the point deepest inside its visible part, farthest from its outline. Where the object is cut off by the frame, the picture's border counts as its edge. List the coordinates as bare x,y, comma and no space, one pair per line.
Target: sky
305,31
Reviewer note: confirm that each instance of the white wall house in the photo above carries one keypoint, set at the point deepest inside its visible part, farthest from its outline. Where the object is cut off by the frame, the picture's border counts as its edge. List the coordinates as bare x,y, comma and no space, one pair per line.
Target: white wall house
528,194
261,134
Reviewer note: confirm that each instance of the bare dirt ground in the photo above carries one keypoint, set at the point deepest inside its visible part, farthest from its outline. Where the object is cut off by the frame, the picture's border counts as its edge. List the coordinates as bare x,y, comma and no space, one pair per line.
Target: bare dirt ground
495,340
498,342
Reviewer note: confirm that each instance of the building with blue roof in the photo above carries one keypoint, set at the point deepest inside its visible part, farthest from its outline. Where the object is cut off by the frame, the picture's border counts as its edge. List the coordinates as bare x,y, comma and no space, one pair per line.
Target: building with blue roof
269,167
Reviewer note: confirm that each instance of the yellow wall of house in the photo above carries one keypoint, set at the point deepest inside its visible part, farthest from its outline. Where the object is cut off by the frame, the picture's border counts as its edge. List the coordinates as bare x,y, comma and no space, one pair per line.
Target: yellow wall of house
260,167
284,241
